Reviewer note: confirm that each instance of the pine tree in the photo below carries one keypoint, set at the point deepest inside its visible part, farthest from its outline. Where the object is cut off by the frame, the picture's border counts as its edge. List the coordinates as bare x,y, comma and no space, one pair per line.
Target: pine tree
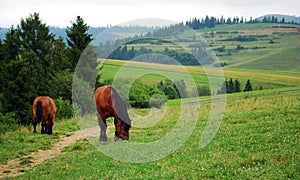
77,39
230,87
237,86
34,36
223,89
248,86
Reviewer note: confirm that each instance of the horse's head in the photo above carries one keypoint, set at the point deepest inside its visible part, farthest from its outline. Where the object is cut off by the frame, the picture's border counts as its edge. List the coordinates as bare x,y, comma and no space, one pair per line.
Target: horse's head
124,134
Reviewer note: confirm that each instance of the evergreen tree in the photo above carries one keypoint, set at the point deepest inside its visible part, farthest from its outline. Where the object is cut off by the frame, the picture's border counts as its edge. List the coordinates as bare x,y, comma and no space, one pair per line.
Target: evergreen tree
248,86
77,39
21,86
34,36
180,88
230,87
237,86
223,89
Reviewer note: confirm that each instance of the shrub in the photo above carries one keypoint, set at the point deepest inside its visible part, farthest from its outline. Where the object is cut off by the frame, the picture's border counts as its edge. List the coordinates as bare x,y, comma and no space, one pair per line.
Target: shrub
204,90
64,108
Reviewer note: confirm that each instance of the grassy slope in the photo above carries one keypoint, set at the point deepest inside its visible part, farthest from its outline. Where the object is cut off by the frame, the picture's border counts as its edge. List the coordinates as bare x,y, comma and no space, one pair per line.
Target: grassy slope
281,55
268,65
258,138
266,78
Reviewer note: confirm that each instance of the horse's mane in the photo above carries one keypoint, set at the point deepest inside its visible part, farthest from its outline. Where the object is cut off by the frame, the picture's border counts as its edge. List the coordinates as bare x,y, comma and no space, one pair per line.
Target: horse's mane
120,106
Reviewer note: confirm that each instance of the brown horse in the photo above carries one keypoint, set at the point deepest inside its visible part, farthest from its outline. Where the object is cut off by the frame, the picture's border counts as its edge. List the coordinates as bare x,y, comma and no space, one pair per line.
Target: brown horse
110,104
44,110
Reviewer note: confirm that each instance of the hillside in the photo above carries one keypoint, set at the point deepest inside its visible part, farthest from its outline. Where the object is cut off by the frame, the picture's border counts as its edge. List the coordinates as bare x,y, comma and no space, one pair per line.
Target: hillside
265,46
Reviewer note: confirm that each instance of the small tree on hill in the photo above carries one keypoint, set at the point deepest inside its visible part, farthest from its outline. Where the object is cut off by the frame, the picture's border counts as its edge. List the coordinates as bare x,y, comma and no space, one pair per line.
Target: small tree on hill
237,86
248,86
230,87
223,89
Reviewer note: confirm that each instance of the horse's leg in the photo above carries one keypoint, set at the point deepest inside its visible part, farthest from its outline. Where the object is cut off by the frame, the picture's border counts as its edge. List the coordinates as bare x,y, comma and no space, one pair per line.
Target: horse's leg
118,124
103,127
49,125
43,130
34,125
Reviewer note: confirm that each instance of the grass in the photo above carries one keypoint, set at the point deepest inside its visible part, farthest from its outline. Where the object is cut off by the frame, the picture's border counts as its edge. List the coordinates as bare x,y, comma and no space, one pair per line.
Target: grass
258,138
15,144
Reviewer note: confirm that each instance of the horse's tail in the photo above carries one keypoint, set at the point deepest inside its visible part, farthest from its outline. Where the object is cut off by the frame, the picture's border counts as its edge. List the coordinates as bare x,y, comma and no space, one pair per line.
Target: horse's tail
120,106
39,111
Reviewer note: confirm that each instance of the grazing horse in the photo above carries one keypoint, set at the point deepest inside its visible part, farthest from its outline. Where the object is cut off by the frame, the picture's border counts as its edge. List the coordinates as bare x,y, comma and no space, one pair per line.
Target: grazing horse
110,104
44,111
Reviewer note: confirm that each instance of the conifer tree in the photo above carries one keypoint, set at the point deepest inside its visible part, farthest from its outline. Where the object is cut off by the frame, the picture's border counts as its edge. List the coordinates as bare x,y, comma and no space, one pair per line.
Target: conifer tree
237,86
248,86
230,87
77,39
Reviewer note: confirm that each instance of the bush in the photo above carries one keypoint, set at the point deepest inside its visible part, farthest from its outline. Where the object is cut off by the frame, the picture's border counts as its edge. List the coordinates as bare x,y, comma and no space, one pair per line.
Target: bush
204,90
145,96
8,122
140,95
64,108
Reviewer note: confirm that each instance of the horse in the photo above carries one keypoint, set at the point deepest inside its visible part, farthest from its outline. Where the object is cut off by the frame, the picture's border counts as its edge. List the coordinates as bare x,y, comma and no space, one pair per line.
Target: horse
110,104
44,111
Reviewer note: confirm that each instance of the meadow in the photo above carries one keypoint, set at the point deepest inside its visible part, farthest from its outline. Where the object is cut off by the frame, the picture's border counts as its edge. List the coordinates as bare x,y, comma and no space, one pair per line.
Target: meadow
258,137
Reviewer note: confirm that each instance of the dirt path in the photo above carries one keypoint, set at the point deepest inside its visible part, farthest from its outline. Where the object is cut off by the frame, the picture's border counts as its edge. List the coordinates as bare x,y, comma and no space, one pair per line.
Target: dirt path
15,167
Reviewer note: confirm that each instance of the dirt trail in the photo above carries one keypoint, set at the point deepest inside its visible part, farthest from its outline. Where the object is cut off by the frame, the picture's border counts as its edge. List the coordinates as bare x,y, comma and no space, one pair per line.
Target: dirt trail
15,167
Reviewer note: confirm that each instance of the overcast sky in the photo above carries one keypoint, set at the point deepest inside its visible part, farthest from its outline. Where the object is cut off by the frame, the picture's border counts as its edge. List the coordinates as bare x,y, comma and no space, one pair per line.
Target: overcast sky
102,12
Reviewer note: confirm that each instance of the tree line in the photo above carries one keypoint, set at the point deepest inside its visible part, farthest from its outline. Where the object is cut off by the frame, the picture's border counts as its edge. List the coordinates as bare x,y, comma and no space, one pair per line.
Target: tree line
33,63
235,87
211,22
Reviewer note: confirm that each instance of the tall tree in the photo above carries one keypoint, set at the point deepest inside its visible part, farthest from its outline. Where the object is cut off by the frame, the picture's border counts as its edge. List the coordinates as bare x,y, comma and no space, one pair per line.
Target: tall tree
35,36
77,39
21,86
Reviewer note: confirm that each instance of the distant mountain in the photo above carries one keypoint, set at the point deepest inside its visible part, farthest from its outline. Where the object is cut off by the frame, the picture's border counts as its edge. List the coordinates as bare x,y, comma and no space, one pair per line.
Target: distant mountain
118,31
287,18
59,32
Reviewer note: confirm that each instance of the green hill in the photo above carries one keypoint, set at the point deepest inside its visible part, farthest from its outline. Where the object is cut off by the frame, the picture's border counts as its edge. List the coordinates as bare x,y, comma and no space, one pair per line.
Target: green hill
263,46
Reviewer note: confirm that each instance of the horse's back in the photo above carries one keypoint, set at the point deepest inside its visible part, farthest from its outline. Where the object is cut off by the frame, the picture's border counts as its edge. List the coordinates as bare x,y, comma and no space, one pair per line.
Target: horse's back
47,103
109,103
104,101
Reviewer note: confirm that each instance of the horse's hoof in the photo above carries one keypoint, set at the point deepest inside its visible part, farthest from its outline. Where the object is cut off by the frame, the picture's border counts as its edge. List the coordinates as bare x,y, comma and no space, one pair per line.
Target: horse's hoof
103,139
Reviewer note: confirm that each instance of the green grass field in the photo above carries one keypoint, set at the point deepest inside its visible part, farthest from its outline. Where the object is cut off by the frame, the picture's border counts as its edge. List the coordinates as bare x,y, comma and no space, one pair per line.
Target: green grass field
258,138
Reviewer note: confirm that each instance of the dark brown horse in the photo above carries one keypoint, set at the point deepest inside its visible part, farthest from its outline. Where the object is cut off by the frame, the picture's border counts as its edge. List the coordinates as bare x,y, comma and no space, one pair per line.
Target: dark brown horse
44,111
110,104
